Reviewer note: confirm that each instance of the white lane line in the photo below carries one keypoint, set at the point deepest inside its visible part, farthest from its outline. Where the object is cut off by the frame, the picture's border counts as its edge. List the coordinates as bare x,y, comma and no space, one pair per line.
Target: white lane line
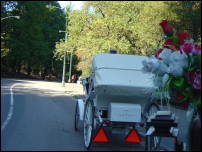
5,123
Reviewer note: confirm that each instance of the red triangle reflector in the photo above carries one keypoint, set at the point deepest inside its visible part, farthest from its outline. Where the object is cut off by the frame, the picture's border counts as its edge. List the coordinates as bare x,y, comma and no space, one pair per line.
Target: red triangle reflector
133,137
100,136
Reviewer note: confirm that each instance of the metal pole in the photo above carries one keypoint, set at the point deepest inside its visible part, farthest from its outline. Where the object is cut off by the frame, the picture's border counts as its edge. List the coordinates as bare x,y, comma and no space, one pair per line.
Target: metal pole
63,74
70,67
64,62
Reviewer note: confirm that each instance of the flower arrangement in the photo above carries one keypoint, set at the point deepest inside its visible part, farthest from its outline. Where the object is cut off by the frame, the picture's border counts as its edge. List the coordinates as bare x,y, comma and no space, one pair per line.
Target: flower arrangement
177,67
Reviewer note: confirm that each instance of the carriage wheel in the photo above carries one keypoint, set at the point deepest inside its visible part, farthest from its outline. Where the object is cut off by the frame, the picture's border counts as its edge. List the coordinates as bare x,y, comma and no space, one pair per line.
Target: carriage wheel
88,123
76,117
152,142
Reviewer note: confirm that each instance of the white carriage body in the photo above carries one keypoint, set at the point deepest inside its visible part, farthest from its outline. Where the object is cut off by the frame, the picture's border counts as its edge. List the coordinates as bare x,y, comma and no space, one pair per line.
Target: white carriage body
119,78
116,91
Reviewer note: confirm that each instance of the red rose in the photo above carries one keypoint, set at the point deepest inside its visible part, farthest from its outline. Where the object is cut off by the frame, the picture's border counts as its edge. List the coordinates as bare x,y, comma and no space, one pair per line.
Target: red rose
157,54
167,28
184,104
180,97
170,45
182,37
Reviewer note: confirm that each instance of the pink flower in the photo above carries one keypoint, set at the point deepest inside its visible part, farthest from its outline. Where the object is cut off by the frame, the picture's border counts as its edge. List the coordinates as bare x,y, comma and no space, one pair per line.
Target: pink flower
197,49
194,78
187,48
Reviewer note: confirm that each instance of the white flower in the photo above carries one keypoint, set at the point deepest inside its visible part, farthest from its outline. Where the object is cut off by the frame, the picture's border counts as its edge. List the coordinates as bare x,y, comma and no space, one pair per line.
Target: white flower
165,78
175,69
154,63
165,54
150,64
146,67
173,63
164,36
178,56
189,41
183,64
163,68
158,81
179,59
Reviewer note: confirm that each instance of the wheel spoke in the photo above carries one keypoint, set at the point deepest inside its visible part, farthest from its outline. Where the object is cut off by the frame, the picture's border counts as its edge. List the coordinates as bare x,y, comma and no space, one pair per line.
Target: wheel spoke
77,116
155,141
88,116
89,133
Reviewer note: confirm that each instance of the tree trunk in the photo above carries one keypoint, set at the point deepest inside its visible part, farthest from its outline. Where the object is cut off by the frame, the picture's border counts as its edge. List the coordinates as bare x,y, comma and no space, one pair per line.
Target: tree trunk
18,68
29,70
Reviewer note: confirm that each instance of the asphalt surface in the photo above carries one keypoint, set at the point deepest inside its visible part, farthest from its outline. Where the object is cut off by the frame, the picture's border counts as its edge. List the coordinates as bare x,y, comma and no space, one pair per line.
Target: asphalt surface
43,119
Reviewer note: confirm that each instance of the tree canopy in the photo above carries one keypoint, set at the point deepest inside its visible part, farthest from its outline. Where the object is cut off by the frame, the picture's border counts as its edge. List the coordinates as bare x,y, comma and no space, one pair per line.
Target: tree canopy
33,43
30,41
131,27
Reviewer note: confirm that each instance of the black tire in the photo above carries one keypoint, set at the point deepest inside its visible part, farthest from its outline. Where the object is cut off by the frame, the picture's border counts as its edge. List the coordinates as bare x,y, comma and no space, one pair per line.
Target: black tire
149,140
195,134
88,103
76,118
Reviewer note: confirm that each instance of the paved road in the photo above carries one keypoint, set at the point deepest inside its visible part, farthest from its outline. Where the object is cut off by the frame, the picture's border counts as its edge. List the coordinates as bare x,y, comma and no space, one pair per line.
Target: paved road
43,118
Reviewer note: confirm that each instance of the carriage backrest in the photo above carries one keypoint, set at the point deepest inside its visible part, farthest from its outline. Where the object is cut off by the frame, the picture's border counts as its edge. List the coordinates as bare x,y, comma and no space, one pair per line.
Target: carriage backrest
120,78
117,61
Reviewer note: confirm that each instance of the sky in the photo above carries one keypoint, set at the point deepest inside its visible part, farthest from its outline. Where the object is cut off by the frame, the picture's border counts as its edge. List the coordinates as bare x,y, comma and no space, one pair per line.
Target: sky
76,5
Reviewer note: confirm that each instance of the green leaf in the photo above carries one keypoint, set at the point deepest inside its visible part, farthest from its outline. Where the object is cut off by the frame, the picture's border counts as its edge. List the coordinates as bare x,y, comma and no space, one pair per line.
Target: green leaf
192,68
198,60
187,92
196,101
175,40
178,82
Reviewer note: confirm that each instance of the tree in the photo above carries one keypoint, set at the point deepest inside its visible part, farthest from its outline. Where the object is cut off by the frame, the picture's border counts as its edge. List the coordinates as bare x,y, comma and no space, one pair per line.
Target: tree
6,28
32,40
131,27
188,17
103,25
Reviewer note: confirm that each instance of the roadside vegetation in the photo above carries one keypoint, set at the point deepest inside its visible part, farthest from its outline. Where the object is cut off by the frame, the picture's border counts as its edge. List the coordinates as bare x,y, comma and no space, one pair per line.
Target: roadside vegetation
33,45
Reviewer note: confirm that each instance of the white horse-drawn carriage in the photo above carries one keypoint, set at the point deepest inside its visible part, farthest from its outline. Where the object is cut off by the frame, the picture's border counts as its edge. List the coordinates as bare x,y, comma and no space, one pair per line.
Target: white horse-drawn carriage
119,95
